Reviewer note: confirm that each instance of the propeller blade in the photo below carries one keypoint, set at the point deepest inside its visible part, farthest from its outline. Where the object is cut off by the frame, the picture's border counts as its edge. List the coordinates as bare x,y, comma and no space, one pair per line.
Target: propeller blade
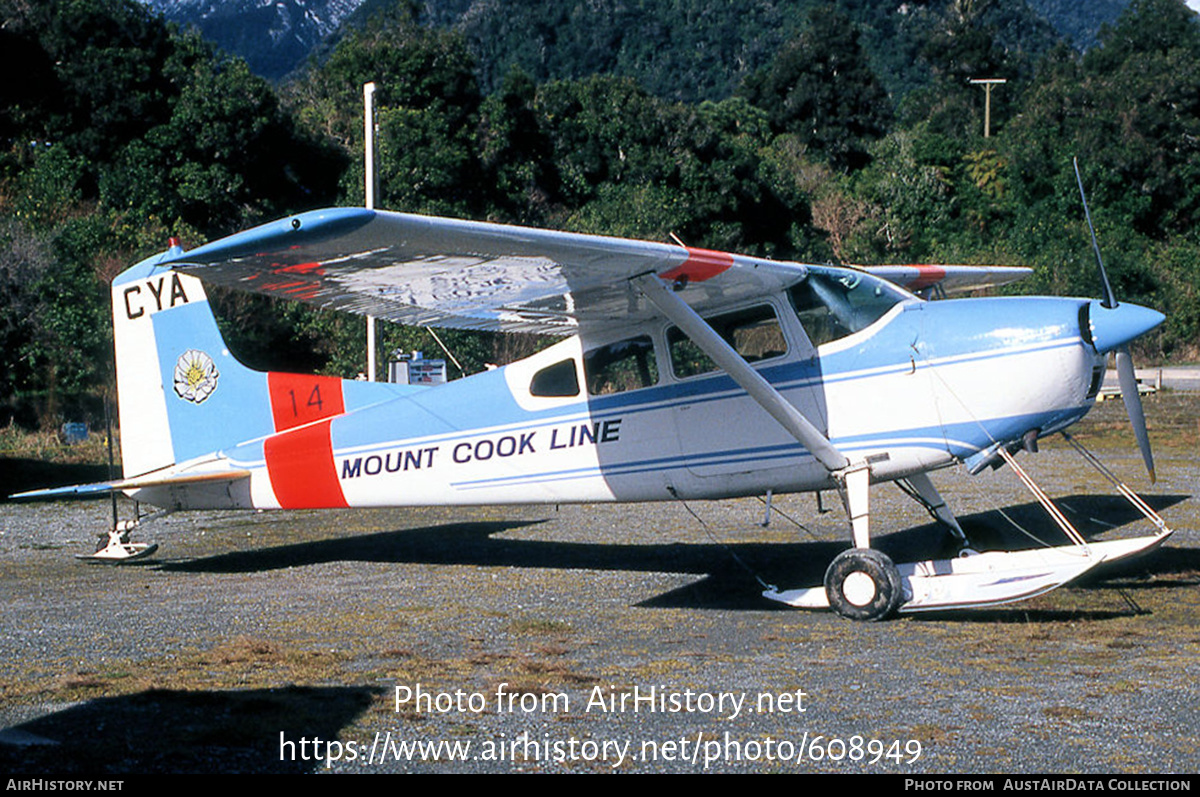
1110,299
1129,389
1133,406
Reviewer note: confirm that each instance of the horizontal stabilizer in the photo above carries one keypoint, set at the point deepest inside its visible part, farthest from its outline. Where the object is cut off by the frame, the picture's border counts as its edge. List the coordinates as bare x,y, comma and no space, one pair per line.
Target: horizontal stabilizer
70,492
104,489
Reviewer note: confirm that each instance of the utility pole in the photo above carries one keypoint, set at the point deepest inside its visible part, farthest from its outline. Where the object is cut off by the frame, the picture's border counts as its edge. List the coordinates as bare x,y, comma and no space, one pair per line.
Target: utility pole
370,186
988,84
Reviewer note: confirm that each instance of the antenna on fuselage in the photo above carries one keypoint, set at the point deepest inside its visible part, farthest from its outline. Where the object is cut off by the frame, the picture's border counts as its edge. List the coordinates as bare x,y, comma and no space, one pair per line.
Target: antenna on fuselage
1110,299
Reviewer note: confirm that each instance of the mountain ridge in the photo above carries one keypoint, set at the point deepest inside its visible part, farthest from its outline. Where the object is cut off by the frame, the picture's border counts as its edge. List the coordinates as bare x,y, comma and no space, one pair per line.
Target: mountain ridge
649,41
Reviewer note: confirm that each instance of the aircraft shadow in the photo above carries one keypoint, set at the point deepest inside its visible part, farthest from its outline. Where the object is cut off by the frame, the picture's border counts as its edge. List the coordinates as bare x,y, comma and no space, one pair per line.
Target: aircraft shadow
201,732
726,582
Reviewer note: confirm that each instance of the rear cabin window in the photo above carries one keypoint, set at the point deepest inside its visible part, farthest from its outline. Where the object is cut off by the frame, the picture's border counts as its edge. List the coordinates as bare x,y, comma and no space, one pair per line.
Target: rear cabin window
617,367
831,307
556,380
753,333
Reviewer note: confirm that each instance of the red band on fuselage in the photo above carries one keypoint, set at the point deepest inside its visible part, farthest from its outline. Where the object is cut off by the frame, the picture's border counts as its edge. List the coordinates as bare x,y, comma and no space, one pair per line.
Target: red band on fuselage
300,463
297,399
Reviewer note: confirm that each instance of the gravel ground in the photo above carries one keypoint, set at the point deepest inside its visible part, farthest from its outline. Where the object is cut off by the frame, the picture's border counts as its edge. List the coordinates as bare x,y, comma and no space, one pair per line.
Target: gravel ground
516,632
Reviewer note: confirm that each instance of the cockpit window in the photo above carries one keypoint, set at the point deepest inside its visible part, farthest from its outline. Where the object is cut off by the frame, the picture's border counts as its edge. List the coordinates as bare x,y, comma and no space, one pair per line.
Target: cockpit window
617,367
832,306
753,333
556,380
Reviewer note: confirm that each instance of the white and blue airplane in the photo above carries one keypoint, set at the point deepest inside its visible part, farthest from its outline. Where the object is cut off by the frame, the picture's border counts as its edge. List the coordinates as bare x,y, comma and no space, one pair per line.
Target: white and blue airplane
683,374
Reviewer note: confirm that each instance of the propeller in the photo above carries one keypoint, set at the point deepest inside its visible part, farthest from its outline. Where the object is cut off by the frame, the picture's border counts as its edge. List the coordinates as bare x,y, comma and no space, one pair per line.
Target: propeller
1112,327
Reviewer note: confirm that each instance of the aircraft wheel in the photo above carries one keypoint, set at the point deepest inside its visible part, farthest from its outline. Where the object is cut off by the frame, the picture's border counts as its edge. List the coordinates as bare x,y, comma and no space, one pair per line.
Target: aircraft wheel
863,584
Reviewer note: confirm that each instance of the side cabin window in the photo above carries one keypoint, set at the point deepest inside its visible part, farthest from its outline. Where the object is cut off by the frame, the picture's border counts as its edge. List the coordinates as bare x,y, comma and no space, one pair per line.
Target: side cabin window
754,333
832,306
558,380
617,367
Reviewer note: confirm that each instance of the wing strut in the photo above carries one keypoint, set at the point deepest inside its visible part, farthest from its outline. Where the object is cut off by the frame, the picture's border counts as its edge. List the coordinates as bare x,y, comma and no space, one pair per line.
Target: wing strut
759,389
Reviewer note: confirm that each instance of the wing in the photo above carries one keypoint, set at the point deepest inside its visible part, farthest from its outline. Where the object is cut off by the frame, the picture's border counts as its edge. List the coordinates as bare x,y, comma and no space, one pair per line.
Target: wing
950,279
423,270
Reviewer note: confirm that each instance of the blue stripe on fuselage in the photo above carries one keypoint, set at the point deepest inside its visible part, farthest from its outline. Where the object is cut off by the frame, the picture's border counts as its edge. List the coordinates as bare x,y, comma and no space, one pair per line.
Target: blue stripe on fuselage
769,456
974,330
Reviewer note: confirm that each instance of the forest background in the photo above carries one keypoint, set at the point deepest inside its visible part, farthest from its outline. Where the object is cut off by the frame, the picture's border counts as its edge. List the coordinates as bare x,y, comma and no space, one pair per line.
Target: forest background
824,132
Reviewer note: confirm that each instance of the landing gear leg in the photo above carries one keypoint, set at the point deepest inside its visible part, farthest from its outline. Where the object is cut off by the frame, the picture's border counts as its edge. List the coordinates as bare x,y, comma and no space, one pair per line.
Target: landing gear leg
862,583
921,490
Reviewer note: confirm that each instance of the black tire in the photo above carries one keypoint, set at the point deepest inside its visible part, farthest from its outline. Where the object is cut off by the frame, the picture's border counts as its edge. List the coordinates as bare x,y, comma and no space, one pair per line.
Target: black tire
875,597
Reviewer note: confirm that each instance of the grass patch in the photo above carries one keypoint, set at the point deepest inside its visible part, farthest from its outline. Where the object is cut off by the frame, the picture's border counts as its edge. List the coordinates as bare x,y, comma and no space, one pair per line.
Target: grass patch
18,443
240,663
1068,713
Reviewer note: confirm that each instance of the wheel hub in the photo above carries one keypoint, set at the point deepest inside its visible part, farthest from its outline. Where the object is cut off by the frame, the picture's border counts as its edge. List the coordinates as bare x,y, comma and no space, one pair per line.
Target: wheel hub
859,588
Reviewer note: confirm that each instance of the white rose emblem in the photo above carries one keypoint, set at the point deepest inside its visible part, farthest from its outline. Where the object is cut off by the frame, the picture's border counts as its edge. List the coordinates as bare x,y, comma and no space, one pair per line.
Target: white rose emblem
195,376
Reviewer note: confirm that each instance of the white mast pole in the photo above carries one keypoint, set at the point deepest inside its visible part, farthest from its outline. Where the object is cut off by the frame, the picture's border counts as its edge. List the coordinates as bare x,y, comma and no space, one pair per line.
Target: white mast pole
370,181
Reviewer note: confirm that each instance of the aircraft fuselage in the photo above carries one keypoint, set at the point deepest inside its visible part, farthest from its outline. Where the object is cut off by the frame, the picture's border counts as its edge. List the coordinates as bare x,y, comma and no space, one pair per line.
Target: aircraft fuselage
925,386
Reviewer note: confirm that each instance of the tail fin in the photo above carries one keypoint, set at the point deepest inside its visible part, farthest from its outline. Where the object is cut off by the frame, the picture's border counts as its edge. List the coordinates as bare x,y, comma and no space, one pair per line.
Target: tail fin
182,394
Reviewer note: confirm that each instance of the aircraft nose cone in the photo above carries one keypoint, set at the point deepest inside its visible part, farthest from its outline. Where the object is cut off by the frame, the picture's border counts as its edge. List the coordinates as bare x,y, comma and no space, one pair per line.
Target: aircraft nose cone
1113,327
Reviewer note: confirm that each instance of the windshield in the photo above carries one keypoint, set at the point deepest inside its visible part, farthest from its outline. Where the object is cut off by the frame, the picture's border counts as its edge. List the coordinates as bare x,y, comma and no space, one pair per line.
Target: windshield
834,304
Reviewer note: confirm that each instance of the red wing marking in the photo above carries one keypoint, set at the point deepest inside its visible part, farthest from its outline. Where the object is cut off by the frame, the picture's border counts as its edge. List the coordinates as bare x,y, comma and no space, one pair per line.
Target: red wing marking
300,463
701,264
926,276
300,268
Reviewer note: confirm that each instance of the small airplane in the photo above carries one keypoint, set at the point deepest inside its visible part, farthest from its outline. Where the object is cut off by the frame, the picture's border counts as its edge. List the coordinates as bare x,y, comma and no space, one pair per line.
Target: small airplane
683,374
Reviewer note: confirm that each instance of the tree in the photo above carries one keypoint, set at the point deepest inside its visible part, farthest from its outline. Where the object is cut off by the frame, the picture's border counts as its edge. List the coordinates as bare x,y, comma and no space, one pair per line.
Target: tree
821,89
227,156
511,144
961,49
1130,111
160,123
24,260
630,164
428,104
111,68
